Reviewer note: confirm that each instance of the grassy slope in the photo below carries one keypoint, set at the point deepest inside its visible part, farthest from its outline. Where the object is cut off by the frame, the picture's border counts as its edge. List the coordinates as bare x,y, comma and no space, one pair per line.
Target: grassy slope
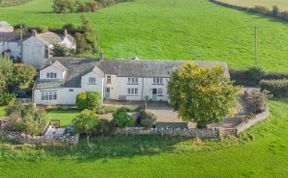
266,156
2,112
147,28
282,4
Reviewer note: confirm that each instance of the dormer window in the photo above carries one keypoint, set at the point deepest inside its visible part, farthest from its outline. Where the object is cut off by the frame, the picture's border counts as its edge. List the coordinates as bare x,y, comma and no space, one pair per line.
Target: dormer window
92,81
51,75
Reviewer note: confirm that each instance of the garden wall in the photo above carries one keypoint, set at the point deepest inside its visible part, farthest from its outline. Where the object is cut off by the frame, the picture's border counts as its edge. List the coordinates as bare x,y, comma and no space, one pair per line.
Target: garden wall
211,133
27,139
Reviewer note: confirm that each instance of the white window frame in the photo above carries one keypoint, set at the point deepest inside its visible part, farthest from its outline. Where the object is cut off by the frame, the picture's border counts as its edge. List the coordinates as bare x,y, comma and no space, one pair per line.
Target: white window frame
132,91
109,79
158,81
160,91
132,81
51,75
91,81
49,96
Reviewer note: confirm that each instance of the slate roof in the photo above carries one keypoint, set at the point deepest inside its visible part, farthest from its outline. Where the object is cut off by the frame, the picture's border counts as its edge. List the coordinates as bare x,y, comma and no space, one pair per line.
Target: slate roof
77,67
10,37
50,38
6,27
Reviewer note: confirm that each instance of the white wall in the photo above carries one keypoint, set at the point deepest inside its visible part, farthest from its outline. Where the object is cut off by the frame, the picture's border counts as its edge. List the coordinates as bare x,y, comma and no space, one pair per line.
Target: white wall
33,52
64,96
15,48
53,69
87,87
68,44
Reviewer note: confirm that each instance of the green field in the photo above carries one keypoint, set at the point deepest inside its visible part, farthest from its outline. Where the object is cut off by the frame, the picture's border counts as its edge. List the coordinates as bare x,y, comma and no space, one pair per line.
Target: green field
148,28
260,152
282,4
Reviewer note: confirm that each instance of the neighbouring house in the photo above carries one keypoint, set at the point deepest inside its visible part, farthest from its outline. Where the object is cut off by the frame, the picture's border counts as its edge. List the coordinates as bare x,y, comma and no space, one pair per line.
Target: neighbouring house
61,79
39,47
5,27
10,44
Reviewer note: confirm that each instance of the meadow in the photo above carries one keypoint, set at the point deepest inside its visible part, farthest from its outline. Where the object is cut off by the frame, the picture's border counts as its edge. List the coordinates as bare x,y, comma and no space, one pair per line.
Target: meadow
199,30
282,4
262,151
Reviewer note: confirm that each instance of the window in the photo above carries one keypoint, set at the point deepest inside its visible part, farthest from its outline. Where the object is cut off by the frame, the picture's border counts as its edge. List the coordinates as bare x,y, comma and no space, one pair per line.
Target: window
160,91
108,79
51,75
132,91
132,81
71,90
158,81
92,81
48,95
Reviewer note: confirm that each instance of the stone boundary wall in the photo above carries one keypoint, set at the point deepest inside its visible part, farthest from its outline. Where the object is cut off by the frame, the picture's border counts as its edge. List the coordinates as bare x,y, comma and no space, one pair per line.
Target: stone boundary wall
27,139
211,133
257,118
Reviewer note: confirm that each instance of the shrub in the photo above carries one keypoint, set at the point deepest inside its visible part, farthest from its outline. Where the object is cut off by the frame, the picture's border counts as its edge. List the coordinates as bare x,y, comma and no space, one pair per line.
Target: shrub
60,50
26,118
104,127
275,76
122,119
147,119
88,100
257,101
131,108
7,99
279,88
106,109
255,74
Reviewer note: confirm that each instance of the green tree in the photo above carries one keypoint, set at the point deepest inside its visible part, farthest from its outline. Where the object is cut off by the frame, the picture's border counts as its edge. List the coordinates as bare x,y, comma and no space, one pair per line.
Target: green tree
202,94
85,123
90,34
60,50
88,100
147,119
63,6
20,76
103,127
122,119
5,70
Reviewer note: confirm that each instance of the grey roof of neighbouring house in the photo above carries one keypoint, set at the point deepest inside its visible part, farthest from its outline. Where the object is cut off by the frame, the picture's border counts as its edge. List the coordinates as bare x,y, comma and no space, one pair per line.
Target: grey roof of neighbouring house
50,38
10,37
6,27
77,67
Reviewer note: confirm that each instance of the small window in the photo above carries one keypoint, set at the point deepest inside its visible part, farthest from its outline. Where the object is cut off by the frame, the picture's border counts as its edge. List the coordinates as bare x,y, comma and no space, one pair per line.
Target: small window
71,90
132,91
92,81
51,75
108,79
160,91
158,81
132,80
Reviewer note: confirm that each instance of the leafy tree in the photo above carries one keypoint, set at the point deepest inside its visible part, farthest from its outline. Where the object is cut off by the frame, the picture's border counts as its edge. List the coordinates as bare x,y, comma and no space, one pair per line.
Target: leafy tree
103,127
63,6
88,100
147,119
85,123
201,94
21,76
89,33
5,70
26,118
7,99
122,119
60,50
275,11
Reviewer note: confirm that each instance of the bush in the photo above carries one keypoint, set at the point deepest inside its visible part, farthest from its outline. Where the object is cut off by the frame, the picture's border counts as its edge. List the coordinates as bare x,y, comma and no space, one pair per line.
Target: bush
147,119
7,99
26,118
104,127
275,76
131,108
88,100
122,119
60,51
257,101
255,74
279,88
106,109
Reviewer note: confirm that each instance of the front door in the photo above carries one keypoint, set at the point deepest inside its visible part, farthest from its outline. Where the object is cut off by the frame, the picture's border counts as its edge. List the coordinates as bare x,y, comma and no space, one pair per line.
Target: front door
154,94
107,93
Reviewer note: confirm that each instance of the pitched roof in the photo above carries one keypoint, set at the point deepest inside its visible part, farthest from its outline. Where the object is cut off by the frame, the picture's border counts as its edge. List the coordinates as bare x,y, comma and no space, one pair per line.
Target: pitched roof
6,27
10,37
77,67
49,38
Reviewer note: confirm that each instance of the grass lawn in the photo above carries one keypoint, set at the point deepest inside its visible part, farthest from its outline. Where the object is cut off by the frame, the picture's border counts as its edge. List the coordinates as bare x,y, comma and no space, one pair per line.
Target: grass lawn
141,156
2,112
200,30
65,116
282,4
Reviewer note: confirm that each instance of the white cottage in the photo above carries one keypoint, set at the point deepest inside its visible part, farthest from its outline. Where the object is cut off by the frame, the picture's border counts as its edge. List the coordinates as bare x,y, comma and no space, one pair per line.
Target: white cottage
61,79
39,47
10,43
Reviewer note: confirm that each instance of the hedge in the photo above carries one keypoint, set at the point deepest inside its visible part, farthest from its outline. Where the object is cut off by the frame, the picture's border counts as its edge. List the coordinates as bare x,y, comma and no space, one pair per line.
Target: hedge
279,88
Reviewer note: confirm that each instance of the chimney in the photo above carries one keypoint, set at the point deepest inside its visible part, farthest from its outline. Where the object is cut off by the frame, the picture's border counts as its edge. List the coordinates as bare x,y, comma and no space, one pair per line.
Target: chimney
65,33
34,32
